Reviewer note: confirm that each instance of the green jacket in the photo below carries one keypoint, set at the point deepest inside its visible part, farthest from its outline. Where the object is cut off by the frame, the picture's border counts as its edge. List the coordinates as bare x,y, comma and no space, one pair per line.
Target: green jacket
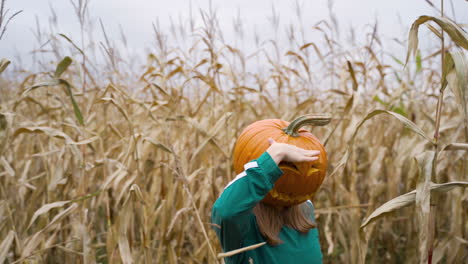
237,226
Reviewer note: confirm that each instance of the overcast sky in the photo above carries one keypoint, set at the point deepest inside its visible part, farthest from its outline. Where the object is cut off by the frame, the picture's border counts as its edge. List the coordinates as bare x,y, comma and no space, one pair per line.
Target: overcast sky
136,17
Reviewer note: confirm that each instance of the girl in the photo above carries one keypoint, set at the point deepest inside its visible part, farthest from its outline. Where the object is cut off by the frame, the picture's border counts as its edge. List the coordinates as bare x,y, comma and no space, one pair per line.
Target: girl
241,219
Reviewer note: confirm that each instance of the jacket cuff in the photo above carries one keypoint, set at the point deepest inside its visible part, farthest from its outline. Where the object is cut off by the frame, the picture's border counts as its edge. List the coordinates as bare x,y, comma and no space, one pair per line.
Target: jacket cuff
269,166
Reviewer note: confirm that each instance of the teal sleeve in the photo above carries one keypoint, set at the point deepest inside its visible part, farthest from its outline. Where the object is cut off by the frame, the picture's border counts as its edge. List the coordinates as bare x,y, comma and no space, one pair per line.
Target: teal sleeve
232,211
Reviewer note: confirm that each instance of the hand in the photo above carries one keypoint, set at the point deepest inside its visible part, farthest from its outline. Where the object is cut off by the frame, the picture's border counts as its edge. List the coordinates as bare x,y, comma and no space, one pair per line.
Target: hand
286,152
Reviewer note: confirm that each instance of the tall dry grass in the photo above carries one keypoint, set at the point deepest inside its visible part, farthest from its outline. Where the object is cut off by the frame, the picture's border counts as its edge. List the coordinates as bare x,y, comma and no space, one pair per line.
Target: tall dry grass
99,169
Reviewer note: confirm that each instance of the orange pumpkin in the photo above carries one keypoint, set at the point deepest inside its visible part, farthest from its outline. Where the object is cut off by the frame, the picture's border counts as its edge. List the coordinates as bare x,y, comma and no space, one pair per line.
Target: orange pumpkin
301,180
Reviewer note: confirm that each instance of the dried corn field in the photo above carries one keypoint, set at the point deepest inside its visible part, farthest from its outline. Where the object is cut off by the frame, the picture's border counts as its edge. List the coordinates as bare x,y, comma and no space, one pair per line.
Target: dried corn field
115,162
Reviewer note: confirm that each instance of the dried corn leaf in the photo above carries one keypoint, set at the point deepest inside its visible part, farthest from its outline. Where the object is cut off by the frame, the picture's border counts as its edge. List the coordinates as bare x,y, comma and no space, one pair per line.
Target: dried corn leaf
68,91
456,33
423,200
456,146
353,75
211,136
46,208
52,132
71,42
240,250
5,245
174,72
317,50
124,221
121,110
434,30
38,85
4,64
408,123
157,144
174,219
38,237
408,199
301,59
61,215
8,169
32,244
456,75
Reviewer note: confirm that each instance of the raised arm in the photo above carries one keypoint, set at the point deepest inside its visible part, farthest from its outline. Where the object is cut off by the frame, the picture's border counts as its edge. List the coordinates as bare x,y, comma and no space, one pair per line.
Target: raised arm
232,211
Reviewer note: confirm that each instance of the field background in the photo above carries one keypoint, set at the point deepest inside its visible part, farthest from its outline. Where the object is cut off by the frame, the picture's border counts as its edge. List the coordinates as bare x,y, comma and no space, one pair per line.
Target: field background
116,160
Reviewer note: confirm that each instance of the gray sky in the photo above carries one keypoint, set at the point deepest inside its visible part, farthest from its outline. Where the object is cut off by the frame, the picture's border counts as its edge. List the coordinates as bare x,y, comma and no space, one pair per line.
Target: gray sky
136,17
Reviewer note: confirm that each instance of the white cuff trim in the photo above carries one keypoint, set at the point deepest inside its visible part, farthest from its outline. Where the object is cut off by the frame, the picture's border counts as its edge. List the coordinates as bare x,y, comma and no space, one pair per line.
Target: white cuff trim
252,164
239,176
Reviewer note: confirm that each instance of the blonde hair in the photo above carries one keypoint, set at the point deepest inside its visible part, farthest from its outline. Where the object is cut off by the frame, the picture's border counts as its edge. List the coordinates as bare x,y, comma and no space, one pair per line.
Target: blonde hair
271,219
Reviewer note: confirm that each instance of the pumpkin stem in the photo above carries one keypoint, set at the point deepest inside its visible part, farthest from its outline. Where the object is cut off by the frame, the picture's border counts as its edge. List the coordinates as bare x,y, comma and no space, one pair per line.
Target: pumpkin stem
312,119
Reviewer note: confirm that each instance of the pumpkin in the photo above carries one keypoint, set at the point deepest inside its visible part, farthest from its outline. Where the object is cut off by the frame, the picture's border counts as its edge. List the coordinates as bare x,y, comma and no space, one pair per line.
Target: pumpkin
300,180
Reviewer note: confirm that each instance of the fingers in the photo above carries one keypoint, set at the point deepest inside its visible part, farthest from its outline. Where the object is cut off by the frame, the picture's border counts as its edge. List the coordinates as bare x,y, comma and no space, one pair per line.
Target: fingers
302,155
312,152
271,141
311,158
308,152
307,158
293,153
